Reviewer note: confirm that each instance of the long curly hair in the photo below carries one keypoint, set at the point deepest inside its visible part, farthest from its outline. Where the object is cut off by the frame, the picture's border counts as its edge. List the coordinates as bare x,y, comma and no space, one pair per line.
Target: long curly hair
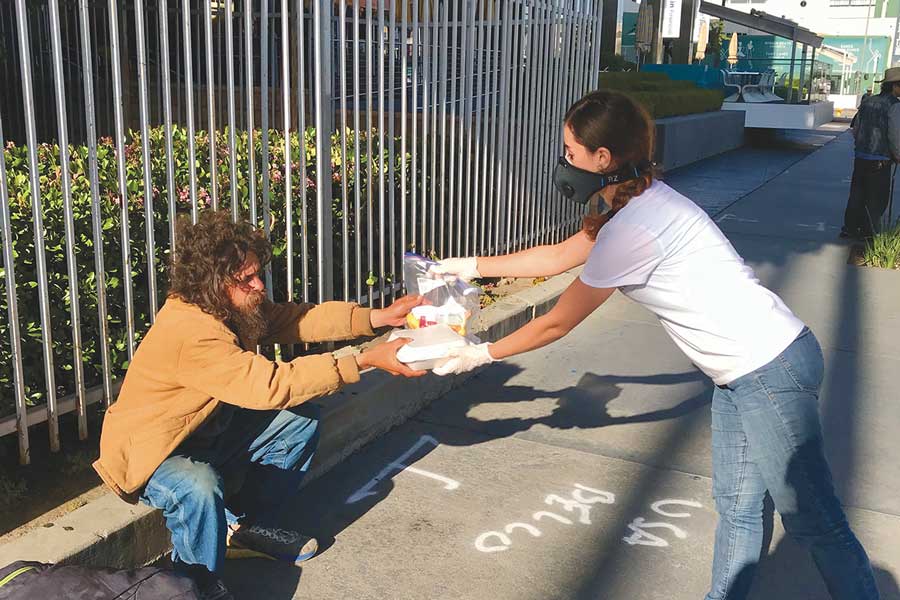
208,256
612,120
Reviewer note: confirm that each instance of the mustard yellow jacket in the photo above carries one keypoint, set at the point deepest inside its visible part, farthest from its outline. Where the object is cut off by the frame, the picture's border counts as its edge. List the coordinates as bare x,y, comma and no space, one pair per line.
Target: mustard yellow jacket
190,361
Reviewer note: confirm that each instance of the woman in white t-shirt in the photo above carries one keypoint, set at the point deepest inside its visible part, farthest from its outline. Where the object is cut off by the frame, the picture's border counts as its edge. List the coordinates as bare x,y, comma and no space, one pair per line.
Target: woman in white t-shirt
662,251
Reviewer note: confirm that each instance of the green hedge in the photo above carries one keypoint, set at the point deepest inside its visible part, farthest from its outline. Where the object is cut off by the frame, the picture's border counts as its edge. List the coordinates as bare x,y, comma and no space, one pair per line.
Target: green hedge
661,96
16,158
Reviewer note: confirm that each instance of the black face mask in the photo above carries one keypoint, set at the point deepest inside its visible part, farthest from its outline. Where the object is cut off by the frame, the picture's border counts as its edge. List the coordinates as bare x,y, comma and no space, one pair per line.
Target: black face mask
579,185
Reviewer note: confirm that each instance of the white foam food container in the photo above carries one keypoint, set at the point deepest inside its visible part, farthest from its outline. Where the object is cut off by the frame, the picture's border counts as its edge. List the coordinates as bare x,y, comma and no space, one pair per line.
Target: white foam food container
429,345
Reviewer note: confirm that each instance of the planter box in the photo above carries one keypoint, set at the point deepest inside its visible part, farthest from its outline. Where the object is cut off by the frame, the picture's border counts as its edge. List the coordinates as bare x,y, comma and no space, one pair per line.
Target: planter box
686,139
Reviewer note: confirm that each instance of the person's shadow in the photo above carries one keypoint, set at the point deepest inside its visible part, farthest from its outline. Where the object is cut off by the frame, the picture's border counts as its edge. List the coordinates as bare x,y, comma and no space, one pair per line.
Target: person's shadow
585,405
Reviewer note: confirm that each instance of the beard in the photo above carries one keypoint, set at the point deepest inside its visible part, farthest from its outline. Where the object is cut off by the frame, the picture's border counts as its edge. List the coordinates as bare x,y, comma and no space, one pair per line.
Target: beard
248,320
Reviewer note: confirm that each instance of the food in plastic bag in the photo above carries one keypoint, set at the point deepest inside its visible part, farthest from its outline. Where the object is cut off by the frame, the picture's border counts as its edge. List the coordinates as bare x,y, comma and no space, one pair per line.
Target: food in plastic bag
451,302
429,346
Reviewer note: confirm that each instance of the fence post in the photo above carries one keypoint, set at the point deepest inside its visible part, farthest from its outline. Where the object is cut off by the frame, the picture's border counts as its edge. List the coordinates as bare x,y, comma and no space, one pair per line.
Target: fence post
322,23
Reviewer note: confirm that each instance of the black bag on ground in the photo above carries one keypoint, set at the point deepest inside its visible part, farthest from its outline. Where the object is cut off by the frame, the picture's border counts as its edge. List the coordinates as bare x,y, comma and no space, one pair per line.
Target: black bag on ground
38,581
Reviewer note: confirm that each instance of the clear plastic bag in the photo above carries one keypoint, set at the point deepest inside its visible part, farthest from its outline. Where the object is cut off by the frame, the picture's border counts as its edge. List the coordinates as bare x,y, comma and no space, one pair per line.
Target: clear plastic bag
449,301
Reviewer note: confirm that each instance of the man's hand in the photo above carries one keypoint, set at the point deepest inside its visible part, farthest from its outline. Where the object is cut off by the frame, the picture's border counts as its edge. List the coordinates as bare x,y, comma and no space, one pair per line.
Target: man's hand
384,357
395,314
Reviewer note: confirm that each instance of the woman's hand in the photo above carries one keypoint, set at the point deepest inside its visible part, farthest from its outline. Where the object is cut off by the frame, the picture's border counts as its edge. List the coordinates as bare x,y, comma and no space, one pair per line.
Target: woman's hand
384,357
462,268
395,314
465,359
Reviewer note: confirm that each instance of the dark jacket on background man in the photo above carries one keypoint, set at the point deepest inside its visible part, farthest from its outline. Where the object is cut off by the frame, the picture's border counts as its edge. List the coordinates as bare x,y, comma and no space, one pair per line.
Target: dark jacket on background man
876,128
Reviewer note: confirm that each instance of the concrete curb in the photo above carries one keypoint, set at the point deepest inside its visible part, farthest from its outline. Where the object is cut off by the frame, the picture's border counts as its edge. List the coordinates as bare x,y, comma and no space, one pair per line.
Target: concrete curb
109,532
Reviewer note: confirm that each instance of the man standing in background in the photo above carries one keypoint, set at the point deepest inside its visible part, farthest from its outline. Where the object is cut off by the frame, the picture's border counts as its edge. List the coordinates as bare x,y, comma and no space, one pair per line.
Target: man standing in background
876,132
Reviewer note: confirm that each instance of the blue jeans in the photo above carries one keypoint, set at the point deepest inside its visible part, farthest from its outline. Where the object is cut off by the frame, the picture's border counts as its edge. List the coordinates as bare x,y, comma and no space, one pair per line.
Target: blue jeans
261,455
766,436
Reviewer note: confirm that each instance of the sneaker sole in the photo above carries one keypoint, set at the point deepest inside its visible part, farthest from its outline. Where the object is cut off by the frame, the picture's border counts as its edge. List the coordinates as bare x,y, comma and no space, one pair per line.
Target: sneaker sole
237,553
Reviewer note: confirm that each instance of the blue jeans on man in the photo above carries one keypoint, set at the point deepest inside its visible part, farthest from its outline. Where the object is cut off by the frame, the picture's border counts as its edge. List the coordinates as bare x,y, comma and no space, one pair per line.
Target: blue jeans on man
766,437
265,454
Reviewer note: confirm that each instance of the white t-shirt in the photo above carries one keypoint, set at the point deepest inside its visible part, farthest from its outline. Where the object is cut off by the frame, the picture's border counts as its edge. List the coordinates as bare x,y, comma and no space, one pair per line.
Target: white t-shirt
662,251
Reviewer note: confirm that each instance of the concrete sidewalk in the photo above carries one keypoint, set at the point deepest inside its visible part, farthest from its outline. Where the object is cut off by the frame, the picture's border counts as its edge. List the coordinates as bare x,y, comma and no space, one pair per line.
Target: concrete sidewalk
478,496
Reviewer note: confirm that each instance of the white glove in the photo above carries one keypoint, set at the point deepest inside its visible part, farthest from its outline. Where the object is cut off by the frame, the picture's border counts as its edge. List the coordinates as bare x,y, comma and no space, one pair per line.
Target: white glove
465,359
462,268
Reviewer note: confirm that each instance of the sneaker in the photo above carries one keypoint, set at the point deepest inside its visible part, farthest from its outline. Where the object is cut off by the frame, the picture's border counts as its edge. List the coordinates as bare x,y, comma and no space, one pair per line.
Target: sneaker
269,542
214,589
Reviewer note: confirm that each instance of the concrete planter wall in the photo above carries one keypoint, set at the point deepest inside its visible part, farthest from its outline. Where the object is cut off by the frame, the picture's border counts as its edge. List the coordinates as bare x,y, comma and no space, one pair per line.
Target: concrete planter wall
686,139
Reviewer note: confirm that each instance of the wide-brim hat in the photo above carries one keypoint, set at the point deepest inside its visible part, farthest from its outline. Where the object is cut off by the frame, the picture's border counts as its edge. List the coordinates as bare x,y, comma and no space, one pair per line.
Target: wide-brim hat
891,75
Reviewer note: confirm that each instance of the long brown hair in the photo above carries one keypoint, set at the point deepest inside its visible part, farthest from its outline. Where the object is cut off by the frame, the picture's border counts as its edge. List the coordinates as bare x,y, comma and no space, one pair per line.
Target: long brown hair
612,120
208,256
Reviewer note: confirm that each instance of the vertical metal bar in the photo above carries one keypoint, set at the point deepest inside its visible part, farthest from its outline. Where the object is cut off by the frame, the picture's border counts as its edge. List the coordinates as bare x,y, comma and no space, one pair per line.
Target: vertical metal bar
467,43
324,122
481,107
812,72
211,107
44,101
457,21
167,116
381,153
512,212
12,308
64,175
490,158
404,45
286,113
564,62
301,134
577,92
426,82
528,177
28,100
392,173
357,163
547,126
123,183
502,123
563,87
578,49
189,103
595,61
345,220
445,75
471,196
264,100
140,42
575,46
522,131
533,133
514,215
242,44
370,228
541,165
436,81
94,178
556,126
251,142
415,124
232,136
791,75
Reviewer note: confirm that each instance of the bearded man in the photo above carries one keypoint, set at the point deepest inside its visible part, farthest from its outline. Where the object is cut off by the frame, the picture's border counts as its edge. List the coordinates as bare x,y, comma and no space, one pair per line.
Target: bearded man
214,434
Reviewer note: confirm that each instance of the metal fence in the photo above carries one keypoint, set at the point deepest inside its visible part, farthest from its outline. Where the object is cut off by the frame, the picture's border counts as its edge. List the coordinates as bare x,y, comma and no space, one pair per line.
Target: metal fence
349,131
